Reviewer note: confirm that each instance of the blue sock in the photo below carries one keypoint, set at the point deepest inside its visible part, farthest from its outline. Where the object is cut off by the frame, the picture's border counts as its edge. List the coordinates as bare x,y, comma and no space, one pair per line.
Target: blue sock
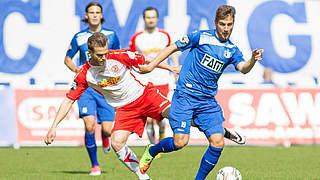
165,145
209,160
91,146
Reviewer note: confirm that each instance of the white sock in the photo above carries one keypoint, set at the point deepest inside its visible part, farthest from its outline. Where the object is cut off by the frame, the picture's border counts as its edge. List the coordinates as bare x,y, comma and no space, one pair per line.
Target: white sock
151,132
128,157
162,126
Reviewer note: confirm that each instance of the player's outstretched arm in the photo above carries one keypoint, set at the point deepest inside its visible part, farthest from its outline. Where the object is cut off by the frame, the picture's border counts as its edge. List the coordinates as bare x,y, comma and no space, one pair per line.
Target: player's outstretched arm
157,60
69,63
246,66
62,112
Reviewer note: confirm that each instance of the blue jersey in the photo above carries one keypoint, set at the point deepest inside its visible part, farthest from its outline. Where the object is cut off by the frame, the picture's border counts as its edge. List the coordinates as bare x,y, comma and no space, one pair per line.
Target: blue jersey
79,42
206,61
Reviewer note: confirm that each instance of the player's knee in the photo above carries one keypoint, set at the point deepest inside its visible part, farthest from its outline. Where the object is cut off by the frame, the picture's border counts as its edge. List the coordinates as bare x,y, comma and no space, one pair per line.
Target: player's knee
116,144
149,120
218,143
90,128
165,112
180,142
106,131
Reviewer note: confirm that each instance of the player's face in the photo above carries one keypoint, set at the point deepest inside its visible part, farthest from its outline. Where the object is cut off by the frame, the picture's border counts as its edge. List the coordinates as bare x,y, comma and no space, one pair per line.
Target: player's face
94,15
150,19
99,56
224,28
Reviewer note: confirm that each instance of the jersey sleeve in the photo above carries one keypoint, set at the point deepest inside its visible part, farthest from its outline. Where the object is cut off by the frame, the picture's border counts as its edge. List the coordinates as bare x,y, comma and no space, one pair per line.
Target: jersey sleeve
133,59
116,42
79,85
127,58
237,57
188,41
73,47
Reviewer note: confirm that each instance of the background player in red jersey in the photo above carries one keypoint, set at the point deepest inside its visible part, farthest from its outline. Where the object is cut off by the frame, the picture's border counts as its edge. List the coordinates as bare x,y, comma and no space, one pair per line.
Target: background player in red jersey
150,42
112,74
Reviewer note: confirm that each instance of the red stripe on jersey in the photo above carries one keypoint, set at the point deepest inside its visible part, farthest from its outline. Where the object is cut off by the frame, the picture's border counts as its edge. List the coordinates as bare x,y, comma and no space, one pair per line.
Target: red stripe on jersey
134,77
132,43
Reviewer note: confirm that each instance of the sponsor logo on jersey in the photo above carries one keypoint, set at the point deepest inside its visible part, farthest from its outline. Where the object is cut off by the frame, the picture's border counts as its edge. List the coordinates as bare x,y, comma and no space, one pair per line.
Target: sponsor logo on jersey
109,82
184,40
212,63
152,50
74,85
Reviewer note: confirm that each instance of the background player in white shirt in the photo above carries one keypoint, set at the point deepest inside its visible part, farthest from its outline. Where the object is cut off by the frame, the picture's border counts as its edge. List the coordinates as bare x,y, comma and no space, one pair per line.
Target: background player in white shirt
149,43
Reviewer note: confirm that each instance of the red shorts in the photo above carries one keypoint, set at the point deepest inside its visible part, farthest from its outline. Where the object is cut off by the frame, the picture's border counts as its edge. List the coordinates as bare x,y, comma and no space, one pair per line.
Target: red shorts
132,117
164,89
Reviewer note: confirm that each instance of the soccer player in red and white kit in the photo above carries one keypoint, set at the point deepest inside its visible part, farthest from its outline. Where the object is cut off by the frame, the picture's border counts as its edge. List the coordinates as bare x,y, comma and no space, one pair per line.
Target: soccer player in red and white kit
112,73
150,42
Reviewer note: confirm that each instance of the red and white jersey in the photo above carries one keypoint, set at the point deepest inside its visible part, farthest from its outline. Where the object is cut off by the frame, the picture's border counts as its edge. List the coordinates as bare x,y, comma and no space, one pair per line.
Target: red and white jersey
150,44
116,81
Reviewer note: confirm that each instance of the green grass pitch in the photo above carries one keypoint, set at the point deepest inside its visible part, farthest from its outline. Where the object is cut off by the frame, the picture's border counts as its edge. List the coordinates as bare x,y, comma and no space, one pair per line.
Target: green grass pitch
274,163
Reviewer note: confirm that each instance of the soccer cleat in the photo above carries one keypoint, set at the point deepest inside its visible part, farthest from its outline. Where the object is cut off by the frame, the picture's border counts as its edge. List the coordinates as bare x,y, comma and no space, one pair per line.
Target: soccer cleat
95,171
145,160
106,145
157,156
234,136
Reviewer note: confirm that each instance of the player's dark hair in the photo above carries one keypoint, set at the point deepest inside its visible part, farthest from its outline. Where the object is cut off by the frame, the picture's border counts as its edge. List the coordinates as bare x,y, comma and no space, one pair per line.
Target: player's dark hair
97,40
149,9
224,11
93,3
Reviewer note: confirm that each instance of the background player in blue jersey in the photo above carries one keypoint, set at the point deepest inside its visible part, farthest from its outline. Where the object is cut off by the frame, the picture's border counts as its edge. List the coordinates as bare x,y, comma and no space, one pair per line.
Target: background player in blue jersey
194,101
92,103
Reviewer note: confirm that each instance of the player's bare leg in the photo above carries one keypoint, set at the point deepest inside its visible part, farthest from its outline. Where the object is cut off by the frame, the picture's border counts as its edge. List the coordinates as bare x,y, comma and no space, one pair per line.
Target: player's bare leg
90,142
150,130
106,127
125,154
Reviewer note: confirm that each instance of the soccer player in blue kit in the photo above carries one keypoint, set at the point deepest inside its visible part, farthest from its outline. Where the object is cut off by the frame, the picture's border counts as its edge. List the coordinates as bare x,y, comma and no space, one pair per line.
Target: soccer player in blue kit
92,103
194,102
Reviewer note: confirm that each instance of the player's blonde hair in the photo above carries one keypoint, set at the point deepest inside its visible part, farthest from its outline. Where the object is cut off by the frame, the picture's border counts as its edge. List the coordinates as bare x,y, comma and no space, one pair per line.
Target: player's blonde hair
97,40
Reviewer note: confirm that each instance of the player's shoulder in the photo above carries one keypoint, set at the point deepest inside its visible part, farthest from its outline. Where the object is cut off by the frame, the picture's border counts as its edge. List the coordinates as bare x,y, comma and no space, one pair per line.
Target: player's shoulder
83,32
135,35
83,71
112,53
107,32
209,33
163,31
121,53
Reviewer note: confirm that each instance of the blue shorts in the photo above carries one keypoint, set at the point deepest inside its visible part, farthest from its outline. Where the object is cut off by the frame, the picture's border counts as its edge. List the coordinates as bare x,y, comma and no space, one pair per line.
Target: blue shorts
205,113
91,103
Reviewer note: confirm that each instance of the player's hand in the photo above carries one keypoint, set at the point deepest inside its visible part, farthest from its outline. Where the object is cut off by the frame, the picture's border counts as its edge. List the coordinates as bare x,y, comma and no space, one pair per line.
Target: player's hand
50,136
143,69
257,54
148,59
